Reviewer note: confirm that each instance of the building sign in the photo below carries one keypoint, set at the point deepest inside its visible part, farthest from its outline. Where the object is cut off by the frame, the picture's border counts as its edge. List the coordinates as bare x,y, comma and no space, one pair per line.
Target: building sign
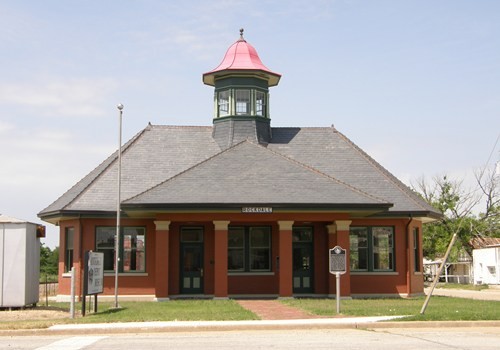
337,260
94,273
258,210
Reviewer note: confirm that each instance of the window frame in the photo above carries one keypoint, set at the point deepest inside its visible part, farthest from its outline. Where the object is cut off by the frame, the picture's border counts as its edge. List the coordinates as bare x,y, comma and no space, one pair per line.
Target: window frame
68,251
260,112
372,249
223,103
109,250
417,261
250,249
240,101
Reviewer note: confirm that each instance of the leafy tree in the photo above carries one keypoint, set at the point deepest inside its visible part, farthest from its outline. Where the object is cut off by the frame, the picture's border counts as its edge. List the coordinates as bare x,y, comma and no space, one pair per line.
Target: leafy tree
49,260
458,205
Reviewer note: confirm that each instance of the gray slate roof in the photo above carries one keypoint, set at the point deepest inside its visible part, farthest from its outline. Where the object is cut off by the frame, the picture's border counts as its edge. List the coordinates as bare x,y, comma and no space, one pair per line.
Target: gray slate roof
174,165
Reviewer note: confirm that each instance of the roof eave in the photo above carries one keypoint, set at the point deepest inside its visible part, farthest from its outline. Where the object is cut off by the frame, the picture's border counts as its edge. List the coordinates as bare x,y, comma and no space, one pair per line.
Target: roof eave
271,77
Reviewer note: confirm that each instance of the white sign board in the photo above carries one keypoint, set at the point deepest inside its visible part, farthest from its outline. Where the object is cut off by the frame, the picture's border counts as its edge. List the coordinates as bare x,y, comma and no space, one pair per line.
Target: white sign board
95,273
338,260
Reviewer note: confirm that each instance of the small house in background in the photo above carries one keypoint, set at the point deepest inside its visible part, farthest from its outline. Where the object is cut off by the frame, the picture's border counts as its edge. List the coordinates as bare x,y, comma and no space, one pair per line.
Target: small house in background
19,261
486,256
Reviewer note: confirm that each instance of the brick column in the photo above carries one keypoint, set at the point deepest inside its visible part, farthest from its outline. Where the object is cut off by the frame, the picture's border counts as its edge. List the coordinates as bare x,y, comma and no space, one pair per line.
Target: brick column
78,259
285,262
220,259
161,260
343,229
332,242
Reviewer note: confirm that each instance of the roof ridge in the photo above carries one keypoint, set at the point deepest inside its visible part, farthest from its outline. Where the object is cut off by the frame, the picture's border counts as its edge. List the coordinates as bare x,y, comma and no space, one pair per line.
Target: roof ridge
185,171
386,173
314,170
97,171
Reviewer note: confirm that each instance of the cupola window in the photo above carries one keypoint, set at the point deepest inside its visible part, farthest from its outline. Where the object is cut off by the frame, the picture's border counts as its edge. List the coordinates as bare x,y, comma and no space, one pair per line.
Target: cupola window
223,103
260,103
242,102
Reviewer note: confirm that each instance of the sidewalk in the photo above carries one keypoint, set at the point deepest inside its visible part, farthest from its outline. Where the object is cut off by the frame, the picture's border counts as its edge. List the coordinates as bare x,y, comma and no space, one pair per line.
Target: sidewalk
492,293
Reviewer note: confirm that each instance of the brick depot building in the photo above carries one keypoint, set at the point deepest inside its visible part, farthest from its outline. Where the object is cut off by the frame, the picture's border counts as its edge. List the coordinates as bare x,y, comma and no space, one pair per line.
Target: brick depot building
243,209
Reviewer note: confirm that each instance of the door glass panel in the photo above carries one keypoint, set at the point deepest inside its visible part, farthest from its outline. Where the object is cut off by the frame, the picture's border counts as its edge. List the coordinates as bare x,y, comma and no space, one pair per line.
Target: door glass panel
192,259
191,234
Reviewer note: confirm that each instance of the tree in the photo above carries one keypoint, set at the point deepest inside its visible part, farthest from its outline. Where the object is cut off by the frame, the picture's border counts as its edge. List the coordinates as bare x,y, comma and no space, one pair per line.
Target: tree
49,260
458,206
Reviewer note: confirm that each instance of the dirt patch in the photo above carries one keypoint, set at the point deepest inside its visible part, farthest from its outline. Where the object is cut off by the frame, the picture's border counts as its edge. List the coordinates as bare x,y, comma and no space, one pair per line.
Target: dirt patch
39,313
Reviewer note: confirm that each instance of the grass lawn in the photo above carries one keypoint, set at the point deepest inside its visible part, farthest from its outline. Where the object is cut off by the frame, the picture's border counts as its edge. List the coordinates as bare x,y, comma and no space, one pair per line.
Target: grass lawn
438,309
180,310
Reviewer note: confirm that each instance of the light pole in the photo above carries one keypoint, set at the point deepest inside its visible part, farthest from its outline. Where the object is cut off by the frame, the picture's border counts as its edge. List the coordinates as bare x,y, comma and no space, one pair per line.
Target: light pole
118,202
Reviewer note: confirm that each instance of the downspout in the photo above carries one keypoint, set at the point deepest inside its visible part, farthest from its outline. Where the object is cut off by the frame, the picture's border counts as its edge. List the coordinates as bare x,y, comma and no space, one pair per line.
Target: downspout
408,258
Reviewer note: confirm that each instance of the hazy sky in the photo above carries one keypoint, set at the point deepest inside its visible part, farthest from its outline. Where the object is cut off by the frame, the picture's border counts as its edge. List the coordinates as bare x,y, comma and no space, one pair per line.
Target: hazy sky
415,83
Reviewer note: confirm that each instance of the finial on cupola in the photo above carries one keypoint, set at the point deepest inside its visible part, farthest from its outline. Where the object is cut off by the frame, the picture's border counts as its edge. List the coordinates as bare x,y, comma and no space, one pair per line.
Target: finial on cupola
241,33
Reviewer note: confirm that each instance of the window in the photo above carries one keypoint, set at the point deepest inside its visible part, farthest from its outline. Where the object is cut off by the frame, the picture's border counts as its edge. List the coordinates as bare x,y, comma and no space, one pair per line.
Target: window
68,251
242,102
372,249
259,103
359,248
223,103
236,249
302,234
249,249
416,249
132,248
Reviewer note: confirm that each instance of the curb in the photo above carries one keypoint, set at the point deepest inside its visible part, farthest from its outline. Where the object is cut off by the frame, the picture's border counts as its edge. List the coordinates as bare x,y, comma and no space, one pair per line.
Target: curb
213,326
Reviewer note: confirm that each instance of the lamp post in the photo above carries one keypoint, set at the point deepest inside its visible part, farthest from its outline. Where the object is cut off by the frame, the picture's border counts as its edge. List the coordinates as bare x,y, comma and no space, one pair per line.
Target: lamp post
118,202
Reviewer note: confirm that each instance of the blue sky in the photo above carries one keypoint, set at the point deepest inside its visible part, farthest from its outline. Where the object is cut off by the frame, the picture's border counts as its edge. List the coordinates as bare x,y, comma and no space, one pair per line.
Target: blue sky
415,83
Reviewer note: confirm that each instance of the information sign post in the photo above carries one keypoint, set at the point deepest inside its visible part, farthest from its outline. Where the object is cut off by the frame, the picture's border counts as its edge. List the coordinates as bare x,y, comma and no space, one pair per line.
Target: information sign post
337,267
93,282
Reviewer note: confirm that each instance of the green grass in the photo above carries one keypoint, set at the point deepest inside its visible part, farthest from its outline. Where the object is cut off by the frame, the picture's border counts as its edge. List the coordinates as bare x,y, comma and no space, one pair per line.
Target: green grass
175,310
438,309
180,310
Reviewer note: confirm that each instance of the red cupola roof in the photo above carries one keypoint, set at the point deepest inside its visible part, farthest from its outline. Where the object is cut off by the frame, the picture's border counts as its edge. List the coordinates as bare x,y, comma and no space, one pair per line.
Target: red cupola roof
241,57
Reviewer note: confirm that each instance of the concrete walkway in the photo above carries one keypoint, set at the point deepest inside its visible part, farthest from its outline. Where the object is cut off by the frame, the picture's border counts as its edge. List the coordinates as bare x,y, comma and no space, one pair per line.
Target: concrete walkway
492,293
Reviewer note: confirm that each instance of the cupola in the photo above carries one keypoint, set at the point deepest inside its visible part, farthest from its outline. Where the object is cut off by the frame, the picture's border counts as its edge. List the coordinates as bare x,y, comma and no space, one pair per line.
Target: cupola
241,95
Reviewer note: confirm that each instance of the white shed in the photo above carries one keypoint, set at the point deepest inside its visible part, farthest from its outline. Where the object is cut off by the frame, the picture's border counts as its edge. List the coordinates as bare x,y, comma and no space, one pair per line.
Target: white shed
486,257
19,262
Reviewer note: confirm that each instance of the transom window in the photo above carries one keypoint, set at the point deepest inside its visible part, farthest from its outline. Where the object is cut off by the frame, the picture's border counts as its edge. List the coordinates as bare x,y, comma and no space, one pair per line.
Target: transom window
249,249
132,248
372,248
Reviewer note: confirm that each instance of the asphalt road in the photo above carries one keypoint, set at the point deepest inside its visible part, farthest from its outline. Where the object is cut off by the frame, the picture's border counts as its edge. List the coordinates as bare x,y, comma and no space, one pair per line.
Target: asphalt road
375,339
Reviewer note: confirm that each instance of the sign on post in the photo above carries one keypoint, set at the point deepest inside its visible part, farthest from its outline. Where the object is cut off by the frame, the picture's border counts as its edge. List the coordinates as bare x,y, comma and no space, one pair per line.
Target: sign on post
338,260
95,274
338,266
93,277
